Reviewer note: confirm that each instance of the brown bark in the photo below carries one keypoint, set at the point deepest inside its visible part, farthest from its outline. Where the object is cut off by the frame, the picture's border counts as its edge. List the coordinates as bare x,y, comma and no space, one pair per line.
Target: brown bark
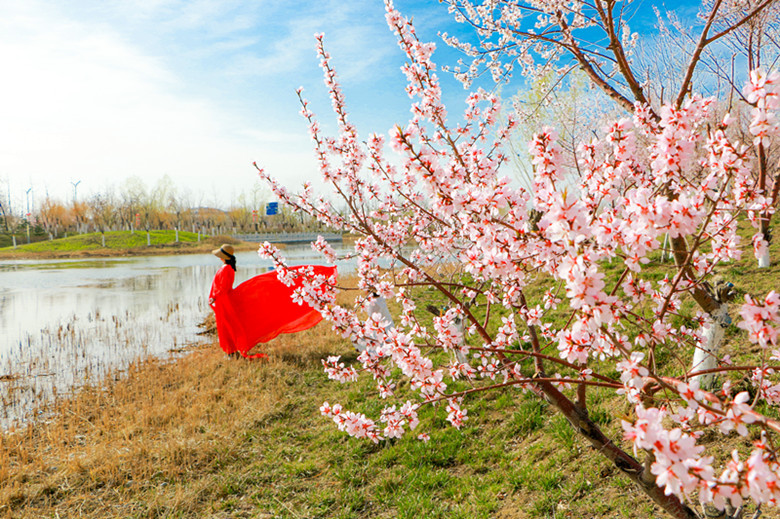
762,181
626,463
686,84
594,76
620,56
705,300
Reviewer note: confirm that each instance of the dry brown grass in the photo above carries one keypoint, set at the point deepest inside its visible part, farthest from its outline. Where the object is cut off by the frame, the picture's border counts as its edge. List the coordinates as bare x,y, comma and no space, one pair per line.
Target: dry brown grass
164,421
153,441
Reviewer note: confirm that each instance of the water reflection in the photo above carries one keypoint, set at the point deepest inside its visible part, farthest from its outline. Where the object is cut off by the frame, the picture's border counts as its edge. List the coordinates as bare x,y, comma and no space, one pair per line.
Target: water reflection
67,322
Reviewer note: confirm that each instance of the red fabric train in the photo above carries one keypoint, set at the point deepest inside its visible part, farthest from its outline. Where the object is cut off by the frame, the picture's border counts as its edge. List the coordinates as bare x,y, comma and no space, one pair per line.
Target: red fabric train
259,309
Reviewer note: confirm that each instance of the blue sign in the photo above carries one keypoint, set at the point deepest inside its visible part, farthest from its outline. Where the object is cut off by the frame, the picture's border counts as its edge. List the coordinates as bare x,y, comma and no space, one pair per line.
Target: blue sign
271,208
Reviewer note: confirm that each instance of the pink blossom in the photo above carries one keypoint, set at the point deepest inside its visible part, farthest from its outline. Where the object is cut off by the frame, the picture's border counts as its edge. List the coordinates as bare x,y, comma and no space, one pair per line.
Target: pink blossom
337,371
441,217
455,415
760,319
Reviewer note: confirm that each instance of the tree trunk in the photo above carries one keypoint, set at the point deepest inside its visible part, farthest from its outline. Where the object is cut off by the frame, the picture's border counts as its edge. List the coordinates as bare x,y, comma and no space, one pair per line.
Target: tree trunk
763,261
706,301
622,460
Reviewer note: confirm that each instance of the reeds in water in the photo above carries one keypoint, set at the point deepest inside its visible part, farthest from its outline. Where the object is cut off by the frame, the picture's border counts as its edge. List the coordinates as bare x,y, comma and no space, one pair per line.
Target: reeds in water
57,360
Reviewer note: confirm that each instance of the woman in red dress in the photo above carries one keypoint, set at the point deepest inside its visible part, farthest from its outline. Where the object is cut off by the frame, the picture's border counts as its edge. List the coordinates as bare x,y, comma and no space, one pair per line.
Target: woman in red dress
230,331
258,309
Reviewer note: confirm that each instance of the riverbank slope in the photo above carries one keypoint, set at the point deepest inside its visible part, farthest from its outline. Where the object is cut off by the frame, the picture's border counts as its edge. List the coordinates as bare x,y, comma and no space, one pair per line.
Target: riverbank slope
208,436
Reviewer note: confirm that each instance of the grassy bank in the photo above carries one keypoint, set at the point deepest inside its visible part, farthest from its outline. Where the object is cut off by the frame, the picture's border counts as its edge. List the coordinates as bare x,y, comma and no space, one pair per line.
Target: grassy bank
118,243
207,436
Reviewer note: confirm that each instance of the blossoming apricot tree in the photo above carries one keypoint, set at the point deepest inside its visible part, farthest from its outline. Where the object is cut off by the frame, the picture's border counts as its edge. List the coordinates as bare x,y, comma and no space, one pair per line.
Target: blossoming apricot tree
450,222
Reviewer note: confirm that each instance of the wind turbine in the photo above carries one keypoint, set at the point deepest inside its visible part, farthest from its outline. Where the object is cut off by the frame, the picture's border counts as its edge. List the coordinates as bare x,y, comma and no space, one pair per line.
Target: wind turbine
75,188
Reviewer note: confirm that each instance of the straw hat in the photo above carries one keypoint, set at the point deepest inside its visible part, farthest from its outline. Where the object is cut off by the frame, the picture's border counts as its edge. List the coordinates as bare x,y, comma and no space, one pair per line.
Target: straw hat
225,252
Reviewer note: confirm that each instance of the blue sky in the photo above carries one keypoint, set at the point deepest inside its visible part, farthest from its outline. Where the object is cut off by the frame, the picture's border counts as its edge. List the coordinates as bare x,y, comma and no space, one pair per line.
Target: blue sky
196,90
100,91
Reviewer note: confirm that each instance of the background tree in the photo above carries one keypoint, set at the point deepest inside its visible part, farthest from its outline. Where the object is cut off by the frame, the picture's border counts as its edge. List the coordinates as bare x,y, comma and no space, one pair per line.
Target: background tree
5,216
80,212
596,38
133,196
162,203
54,216
104,211
166,206
240,218
184,205
568,103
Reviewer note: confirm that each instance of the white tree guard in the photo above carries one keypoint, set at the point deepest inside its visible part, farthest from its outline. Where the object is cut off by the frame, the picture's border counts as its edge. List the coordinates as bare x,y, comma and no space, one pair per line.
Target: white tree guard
763,260
706,357
376,305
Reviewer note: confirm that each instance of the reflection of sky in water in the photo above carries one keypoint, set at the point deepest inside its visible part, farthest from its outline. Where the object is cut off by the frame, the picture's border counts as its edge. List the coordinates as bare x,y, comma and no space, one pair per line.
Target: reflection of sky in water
63,322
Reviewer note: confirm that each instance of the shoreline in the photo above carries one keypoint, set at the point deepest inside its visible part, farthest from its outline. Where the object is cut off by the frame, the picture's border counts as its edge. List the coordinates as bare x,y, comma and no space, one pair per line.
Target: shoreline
124,244
159,250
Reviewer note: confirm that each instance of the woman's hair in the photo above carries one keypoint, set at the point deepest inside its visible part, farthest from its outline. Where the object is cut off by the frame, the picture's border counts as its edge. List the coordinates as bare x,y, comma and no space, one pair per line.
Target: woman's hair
231,262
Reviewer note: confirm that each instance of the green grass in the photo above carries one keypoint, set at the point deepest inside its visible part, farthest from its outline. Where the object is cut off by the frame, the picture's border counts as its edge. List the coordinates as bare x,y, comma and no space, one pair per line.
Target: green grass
317,471
515,456
120,240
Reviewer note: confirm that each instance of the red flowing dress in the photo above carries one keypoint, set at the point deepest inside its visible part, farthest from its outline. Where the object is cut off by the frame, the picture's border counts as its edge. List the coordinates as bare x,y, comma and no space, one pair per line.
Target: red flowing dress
259,309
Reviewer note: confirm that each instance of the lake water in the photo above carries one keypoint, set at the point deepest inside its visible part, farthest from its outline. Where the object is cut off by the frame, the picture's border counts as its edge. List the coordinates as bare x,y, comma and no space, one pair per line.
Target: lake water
64,323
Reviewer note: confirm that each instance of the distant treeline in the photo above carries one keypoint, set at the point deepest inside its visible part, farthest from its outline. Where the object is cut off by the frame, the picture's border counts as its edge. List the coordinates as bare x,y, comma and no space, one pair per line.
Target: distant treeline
159,209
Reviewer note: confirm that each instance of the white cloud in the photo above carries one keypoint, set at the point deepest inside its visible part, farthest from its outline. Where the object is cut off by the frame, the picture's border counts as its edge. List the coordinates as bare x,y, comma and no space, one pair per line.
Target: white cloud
192,89
78,102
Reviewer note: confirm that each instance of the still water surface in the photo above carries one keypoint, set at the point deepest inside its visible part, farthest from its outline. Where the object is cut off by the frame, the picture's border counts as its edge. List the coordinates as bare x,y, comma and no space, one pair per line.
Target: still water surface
64,323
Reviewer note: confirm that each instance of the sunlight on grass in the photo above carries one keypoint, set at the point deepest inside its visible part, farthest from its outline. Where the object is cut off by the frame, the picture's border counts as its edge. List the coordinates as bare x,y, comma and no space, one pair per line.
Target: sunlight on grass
206,435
